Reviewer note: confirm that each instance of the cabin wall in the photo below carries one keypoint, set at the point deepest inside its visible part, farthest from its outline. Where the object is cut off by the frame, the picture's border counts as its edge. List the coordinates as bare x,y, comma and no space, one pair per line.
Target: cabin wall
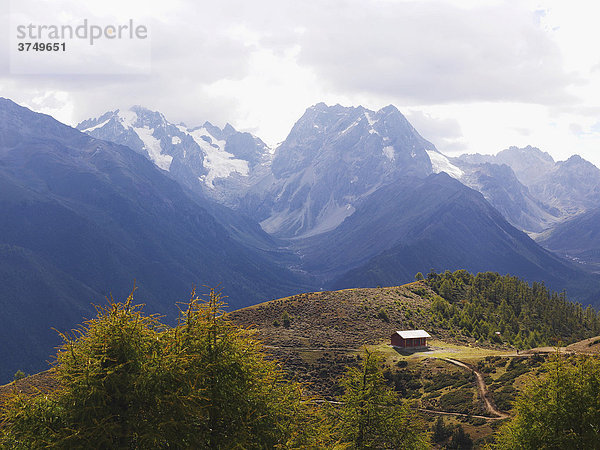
398,341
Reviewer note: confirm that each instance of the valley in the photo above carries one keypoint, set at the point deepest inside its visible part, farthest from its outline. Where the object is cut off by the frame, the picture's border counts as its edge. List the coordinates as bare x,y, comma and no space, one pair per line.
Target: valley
300,225
352,198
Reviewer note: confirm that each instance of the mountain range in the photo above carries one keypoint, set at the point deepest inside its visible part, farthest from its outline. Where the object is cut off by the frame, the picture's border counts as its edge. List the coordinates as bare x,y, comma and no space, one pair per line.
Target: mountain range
219,163
551,191
83,219
352,197
342,191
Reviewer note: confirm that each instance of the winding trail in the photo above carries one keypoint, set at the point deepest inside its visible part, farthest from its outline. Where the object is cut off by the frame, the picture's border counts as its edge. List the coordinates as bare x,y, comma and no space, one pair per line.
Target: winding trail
481,387
449,413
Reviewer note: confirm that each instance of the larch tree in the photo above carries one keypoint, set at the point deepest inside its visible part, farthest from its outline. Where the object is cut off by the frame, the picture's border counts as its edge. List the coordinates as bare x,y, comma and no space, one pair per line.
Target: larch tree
558,410
372,415
129,381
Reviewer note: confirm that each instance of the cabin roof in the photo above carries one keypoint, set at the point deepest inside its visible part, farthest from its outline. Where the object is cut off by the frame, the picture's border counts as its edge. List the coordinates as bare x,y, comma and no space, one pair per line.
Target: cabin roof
413,334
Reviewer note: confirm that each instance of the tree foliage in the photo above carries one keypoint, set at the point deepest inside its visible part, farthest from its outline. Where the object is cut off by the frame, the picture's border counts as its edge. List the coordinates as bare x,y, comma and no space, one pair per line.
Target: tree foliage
129,381
558,411
19,375
524,315
372,415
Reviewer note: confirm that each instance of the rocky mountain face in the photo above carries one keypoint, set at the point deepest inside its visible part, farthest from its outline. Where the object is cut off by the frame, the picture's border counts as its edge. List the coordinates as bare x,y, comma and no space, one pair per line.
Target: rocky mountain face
84,218
562,189
577,239
218,163
352,197
333,158
500,186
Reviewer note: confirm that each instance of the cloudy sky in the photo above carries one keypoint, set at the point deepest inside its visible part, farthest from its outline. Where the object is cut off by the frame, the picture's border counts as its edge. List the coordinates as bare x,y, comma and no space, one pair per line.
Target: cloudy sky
471,75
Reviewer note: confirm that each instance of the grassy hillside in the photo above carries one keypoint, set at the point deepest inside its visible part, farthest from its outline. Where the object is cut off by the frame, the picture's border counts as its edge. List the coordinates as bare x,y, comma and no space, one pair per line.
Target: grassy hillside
469,375
345,319
316,335
486,308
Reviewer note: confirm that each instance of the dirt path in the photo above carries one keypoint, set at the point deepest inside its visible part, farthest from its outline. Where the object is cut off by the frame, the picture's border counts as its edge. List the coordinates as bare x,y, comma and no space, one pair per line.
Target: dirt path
310,349
448,413
481,387
433,411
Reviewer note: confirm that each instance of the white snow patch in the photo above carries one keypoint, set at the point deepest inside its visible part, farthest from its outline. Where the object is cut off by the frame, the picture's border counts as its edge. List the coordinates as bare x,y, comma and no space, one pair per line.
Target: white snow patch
389,152
352,125
100,125
371,123
175,140
220,164
152,146
127,118
439,163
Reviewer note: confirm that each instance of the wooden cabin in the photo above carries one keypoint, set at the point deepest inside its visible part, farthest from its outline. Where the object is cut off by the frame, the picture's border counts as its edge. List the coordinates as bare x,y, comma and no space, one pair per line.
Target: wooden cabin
411,339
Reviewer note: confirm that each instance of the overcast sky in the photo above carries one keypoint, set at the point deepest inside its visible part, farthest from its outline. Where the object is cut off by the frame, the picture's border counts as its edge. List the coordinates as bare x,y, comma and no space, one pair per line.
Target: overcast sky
470,75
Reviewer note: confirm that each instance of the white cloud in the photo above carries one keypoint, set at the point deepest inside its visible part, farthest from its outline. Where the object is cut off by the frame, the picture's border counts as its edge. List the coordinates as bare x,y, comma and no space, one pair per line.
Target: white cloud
434,52
57,104
445,133
471,75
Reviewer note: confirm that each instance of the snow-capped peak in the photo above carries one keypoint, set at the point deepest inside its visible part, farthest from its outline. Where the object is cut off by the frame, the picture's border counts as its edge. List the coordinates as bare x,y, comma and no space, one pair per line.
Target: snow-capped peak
439,163
127,118
220,164
95,127
369,118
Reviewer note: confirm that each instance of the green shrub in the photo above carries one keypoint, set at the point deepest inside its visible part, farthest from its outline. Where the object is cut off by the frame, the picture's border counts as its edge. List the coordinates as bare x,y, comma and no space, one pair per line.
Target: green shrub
129,381
19,375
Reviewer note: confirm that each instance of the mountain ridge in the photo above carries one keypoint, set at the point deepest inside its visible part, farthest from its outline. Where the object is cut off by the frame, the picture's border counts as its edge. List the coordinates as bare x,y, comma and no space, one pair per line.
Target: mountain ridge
563,188
85,217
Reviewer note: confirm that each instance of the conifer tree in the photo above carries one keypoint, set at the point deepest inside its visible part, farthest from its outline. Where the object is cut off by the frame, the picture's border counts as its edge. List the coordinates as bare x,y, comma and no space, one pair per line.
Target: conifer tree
129,381
372,415
561,409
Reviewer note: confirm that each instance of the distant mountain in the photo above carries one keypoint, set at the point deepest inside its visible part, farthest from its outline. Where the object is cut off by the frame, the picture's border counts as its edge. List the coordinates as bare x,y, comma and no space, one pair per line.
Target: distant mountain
573,186
439,224
82,218
352,197
350,186
577,239
566,188
219,163
529,163
500,186
333,157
